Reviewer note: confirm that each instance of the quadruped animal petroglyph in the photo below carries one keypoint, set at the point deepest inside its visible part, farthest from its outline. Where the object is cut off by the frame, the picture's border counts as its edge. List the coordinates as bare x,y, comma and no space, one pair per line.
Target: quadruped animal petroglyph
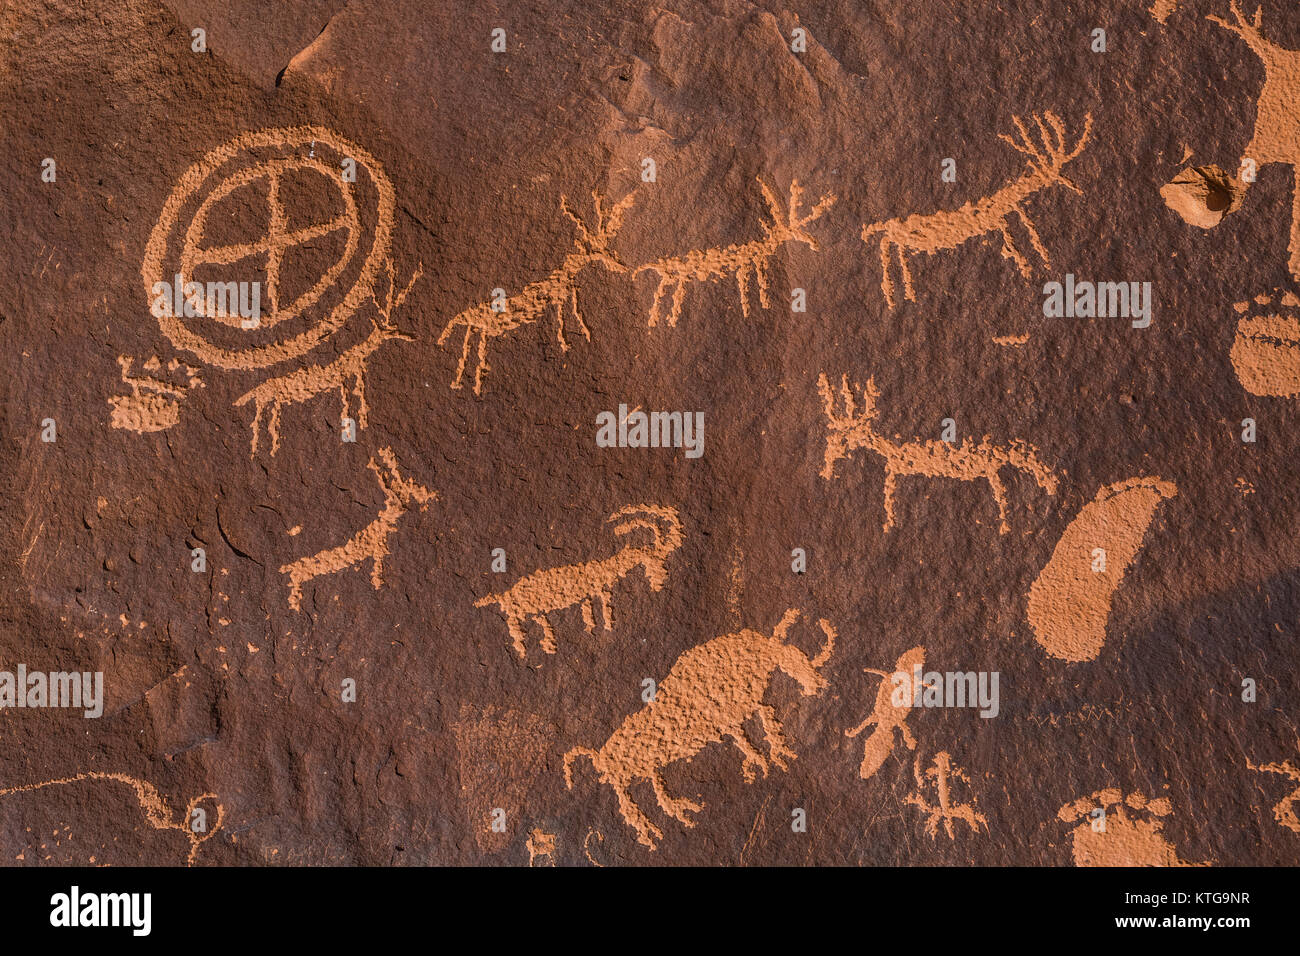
544,592
557,290
888,715
948,229
710,691
944,773
739,261
1276,137
156,811
967,461
371,541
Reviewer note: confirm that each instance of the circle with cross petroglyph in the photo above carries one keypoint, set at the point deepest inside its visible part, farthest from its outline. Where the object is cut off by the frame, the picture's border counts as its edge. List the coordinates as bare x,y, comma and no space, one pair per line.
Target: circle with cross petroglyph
270,169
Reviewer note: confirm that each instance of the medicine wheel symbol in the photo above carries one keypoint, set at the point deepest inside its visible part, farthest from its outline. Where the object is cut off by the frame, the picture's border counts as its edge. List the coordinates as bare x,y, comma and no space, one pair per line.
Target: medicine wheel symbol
233,167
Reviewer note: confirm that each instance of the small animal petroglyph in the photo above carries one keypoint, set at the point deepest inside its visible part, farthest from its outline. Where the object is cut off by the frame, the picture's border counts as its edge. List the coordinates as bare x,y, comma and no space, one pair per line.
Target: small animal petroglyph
1113,837
153,405
948,229
541,846
1285,811
371,541
888,715
156,811
1276,137
931,459
708,694
558,290
944,772
543,592
302,385
743,261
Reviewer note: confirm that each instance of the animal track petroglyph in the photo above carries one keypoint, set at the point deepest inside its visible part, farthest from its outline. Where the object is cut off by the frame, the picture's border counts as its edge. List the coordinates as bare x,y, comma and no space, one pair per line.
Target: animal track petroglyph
304,384
371,541
932,459
1069,602
1276,137
948,229
154,404
533,597
740,261
1119,838
558,290
1266,350
156,812
943,772
1285,811
707,696
888,716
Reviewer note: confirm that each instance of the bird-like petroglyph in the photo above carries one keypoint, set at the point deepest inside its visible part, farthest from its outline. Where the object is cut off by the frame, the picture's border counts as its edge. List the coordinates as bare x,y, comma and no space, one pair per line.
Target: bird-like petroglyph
157,813
965,461
544,592
948,229
942,775
1119,830
743,262
371,541
889,713
558,291
707,696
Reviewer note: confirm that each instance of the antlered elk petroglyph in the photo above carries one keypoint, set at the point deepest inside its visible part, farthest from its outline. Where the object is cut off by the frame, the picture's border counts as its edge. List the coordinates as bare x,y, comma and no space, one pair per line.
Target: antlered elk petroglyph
888,715
553,589
1276,137
156,811
948,229
707,696
304,384
558,290
1285,811
932,459
944,772
371,541
741,261
1113,837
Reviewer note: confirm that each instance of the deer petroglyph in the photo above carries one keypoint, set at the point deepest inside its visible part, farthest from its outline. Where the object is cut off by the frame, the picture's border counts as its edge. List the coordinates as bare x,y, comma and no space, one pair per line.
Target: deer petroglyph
888,715
948,229
740,261
707,696
543,592
304,384
932,459
1276,137
371,541
557,290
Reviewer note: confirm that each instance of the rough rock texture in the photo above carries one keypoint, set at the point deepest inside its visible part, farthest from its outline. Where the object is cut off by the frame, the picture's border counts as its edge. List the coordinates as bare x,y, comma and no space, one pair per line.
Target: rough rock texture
502,715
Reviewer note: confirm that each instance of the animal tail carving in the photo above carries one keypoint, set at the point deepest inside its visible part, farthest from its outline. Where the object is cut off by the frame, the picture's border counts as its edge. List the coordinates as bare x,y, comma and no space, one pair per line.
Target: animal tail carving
573,755
878,747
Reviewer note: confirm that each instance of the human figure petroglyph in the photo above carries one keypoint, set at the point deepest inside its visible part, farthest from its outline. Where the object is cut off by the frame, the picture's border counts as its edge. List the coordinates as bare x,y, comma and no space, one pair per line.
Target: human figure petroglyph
948,229
1118,837
371,541
888,714
544,592
156,811
966,461
557,290
302,385
154,404
1285,811
739,261
1276,137
943,772
710,691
